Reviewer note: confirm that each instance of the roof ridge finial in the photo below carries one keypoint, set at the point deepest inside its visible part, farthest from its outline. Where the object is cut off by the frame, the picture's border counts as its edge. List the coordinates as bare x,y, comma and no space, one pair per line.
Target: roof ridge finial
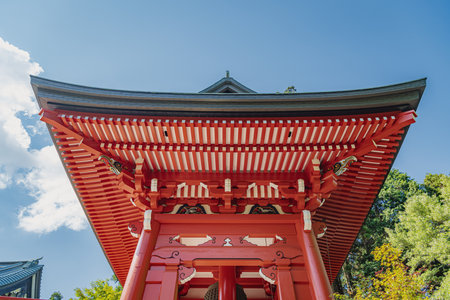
227,74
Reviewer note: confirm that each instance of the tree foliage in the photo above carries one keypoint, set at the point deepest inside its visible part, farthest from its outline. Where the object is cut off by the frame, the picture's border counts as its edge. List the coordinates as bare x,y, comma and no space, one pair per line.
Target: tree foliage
444,290
423,230
415,219
392,281
290,90
56,296
360,264
109,289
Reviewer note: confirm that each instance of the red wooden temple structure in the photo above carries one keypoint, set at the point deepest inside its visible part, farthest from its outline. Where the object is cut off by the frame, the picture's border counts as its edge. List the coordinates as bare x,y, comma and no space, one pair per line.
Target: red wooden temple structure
226,193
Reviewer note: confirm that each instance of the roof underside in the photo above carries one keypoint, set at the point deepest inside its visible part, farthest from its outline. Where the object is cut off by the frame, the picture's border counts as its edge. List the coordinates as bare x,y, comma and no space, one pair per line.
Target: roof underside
273,135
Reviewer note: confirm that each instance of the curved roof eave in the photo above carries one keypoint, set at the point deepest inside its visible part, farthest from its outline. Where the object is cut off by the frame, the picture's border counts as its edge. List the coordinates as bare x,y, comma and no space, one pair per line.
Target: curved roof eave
58,95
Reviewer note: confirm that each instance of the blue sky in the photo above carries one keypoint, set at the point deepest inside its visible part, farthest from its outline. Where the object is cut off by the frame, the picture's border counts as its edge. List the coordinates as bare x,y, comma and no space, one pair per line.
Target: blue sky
184,46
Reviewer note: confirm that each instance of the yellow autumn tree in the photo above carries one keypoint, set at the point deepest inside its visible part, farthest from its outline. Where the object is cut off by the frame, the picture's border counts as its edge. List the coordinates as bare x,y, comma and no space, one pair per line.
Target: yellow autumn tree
393,281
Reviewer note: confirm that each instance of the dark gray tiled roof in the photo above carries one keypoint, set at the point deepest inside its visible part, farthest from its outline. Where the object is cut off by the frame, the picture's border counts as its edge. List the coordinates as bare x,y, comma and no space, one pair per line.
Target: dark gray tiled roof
54,95
230,83
11,272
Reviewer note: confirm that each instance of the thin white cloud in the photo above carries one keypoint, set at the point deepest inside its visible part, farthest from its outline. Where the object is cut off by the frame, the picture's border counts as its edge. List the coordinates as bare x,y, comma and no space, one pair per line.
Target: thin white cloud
37,170
56,203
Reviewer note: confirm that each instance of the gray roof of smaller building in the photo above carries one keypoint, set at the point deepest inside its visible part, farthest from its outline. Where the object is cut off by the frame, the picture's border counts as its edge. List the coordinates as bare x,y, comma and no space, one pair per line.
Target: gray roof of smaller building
14,271
228,85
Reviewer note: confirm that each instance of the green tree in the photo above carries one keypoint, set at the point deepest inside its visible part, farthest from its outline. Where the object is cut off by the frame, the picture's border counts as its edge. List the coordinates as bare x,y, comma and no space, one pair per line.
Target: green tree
423,230
360,263
109,289
290,90
437,185
56,296
444,289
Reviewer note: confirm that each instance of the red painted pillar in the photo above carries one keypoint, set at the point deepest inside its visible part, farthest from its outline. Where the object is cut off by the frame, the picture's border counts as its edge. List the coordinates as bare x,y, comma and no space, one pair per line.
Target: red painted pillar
135,283
169,285
314,264
285,286
227,283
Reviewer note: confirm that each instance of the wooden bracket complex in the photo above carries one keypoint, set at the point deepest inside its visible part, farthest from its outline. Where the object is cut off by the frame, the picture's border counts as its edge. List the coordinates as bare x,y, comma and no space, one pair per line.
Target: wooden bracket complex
227,193
320,187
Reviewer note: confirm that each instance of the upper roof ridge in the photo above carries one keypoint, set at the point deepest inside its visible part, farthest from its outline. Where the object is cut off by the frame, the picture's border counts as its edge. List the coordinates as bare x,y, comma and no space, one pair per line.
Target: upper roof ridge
227,85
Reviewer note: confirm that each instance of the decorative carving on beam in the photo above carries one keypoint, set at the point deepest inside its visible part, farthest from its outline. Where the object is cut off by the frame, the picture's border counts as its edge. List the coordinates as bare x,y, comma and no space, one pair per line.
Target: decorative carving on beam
185,274
248,208
262,241
186,210
174,238
279,238
341,166
320,228
282,259
135,228
173,254
192,241
278,254
227,242
114,166
189,209
269,274
263,210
